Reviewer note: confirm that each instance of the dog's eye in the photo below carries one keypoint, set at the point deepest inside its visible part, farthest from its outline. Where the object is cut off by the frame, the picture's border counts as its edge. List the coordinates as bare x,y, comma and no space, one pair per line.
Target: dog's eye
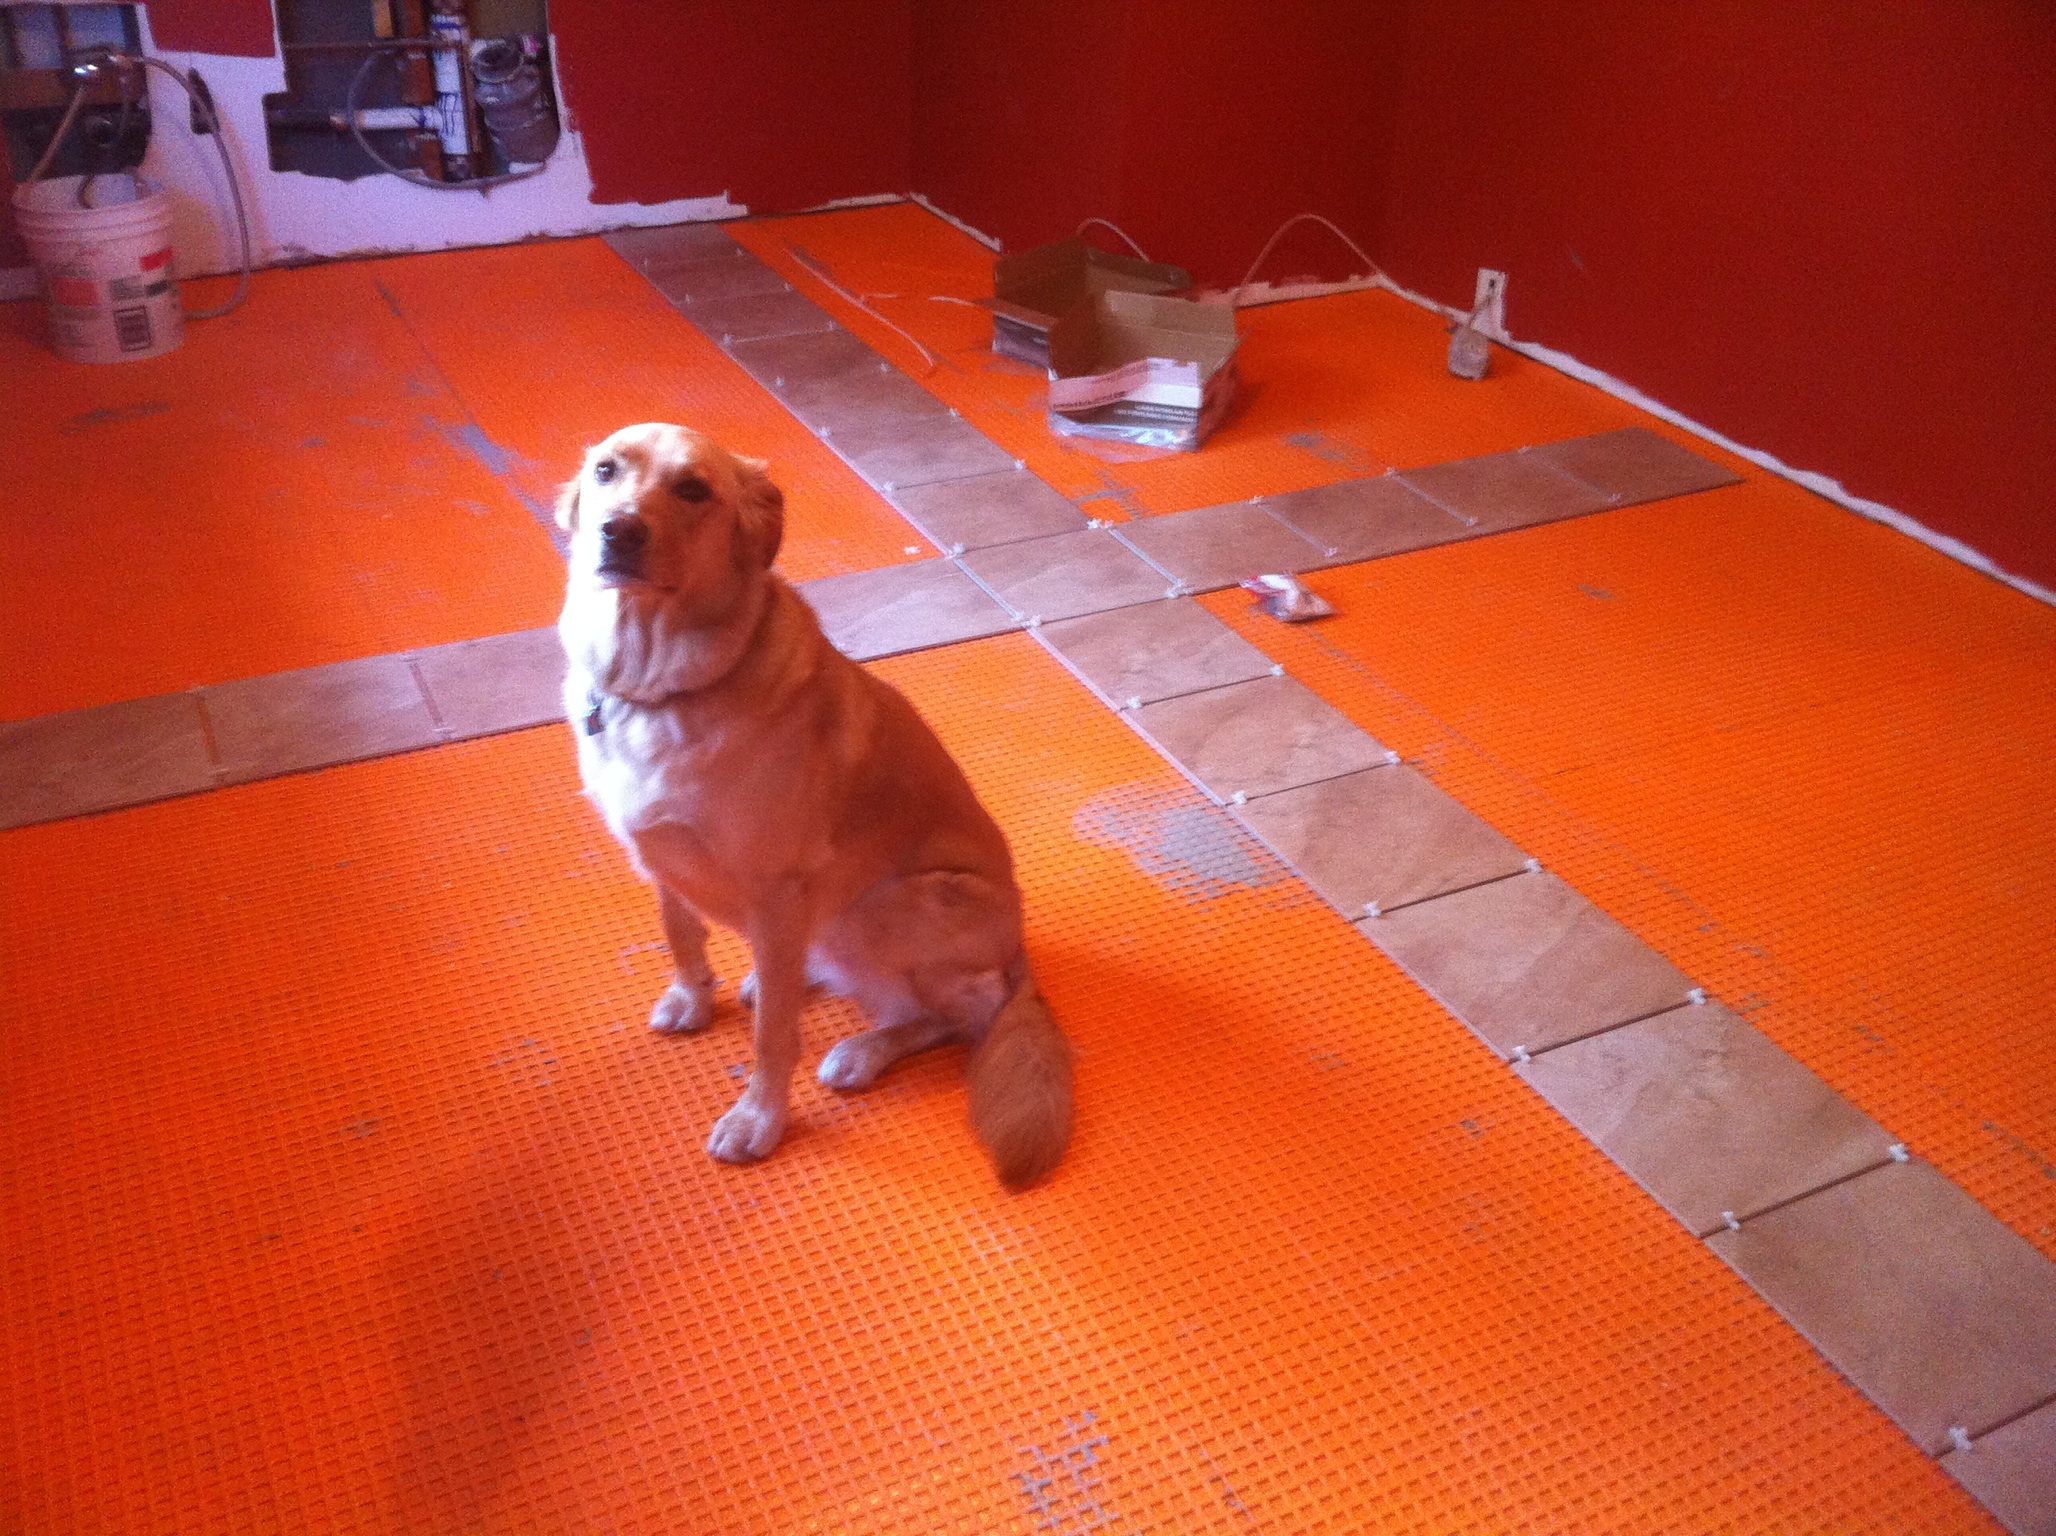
604,471
692,488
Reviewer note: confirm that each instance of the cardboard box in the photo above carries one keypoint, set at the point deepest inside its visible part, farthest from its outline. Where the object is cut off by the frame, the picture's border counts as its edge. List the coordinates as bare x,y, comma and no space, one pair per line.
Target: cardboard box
1144,369
1033,289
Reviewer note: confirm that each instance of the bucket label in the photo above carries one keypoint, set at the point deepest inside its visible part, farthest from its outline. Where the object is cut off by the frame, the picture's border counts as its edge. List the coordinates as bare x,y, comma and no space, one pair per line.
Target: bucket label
156,259
74,292
138,287
132,329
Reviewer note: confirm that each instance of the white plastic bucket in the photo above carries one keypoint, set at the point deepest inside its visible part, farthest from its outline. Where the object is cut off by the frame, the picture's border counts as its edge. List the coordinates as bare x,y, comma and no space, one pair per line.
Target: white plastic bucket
106,268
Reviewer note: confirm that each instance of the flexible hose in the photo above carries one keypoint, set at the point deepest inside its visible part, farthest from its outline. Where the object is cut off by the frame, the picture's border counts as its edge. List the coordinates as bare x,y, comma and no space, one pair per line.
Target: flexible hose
207,115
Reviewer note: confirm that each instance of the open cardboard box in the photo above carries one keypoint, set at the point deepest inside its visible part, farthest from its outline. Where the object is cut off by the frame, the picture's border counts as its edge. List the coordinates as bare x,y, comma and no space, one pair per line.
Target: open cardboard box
1033,289
1144,369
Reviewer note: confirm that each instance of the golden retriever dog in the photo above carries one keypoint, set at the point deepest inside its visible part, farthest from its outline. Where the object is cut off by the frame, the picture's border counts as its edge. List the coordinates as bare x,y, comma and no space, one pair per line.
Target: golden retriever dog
761,779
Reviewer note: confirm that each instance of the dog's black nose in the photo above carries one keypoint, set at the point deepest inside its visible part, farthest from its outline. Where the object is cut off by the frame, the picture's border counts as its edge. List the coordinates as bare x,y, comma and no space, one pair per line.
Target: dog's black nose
624,535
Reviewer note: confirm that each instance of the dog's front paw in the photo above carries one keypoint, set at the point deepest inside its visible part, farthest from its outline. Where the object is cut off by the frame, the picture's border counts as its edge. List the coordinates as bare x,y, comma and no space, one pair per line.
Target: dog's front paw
682,1010
748,1133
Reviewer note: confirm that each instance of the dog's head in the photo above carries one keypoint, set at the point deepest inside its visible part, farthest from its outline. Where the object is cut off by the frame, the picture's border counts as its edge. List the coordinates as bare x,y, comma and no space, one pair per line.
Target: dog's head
667,514
671,537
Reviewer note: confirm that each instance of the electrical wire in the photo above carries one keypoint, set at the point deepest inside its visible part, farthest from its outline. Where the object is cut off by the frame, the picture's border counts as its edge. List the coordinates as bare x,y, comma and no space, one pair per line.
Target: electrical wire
121,128
472,184
1376,271
808,261
1110,224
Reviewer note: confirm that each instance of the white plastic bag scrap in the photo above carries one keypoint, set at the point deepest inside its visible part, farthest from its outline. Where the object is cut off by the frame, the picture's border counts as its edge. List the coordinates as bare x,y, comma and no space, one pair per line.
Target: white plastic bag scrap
1288,598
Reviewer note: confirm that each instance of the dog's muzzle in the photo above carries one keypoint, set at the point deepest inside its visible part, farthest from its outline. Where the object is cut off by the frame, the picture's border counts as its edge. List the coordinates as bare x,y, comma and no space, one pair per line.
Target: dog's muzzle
622,543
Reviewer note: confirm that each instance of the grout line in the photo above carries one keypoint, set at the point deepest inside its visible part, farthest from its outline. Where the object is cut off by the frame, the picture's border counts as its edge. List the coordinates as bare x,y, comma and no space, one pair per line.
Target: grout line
1822,1188
215,770
2010,1419
1613,498
1455,890
435,715
1536,1053
1436,501
1743,1219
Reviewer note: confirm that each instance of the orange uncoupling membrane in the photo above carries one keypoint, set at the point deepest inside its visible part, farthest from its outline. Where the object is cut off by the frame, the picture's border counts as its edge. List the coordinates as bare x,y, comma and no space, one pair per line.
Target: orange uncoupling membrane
356,1197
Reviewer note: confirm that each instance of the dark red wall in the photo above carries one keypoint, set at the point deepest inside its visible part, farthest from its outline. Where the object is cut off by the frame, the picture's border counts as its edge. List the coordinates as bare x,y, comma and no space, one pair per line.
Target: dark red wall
1825,230
1198,127
213,26
1828,231
780,105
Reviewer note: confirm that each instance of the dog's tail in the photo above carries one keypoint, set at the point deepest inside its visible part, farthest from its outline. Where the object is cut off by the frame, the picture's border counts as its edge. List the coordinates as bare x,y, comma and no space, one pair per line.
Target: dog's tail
1020,1086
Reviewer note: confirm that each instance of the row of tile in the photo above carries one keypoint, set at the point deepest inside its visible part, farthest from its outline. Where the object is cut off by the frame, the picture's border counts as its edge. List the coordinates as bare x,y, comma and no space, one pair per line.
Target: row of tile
1941,1314
140,750
965,493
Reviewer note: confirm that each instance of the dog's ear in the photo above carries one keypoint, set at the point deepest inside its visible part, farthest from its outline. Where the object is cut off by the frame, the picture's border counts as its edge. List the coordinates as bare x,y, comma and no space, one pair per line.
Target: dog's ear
567,503
761,516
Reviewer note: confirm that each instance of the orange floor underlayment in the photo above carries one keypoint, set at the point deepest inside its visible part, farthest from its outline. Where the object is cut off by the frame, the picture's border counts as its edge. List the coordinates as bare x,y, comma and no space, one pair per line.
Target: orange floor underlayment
345,1189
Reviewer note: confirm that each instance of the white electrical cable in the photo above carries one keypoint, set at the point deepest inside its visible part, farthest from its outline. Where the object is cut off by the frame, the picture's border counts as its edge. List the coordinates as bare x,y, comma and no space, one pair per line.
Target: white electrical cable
820,271
1140,253
1376,271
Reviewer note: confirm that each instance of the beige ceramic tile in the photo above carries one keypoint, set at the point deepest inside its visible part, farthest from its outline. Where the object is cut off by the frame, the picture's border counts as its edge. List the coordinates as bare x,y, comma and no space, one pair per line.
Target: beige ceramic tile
1636,464
895,454
753,316
499,683
656,247
1215,547
831,380
315,717
1134,656
2012,1472
1707,1114
1067,575
1505,490
1365,519
1002,508
87,760
1939,1313
903,608
1256,738
714,281
1385,836
1528,963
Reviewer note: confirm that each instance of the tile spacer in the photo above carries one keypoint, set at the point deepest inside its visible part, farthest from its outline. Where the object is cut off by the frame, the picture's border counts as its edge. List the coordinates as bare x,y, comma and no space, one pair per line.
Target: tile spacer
1372,909
1732,1224
1240,797
1899,1152
955,414
1391,758
1696,997
1277,669
1095,522
1520,1054
1035,621
778,381
1020,463
1533,866
1134,701
890,486
1959,1437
